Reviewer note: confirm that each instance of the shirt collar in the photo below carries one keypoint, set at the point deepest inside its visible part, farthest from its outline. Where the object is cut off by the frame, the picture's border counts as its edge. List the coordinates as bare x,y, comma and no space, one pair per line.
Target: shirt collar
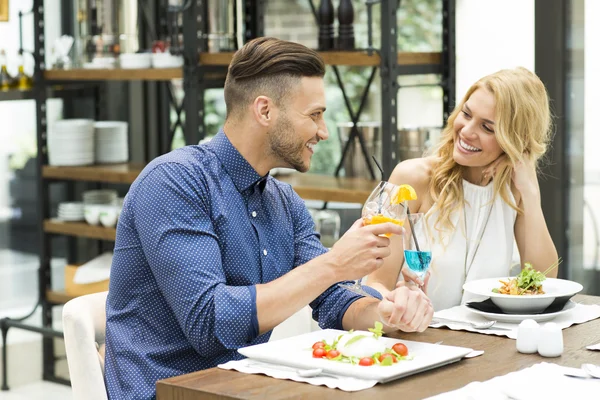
241,172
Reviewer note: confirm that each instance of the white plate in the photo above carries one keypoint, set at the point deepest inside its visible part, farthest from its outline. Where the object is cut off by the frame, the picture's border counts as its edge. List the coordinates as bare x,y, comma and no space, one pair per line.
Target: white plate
135,61
532,304
517,318
296,352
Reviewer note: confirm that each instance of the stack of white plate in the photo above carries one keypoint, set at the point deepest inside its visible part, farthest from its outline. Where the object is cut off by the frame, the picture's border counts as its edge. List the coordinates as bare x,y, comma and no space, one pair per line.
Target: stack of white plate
111,143
71,142
70,211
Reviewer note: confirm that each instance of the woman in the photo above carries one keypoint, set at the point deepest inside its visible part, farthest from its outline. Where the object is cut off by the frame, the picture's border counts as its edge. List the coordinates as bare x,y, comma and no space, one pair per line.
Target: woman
479,189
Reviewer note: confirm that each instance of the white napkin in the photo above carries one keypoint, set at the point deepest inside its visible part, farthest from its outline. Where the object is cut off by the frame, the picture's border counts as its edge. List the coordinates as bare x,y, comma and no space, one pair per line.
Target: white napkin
347,384
579,314
95,270
540,381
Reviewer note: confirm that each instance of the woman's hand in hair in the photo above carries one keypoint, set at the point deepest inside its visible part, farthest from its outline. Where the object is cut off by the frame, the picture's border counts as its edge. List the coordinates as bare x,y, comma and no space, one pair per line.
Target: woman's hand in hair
525,178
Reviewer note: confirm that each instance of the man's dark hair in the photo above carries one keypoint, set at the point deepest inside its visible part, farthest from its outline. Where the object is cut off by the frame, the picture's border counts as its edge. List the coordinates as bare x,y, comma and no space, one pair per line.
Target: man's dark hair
268,67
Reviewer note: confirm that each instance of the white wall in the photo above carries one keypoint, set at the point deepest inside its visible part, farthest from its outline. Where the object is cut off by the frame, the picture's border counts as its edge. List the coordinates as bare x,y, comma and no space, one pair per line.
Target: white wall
492,35
591,140
592,88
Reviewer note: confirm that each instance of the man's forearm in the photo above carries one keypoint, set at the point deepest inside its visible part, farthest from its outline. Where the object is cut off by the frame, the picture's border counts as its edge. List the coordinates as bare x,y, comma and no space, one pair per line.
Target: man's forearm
362,314
281,298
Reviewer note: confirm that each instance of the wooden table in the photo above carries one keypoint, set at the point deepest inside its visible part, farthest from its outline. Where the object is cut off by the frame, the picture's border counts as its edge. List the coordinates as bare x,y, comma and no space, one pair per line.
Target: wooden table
501,357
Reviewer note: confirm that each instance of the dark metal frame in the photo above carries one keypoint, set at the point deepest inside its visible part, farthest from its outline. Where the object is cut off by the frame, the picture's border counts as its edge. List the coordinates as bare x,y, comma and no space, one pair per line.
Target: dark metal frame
562,177
354,116
448,56
354,132
389,84
193,44
389,73
254,10
550,66
45,280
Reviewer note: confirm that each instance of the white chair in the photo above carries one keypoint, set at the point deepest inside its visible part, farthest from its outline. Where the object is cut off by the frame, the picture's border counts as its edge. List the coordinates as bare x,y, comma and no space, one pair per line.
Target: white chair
84,327
297,324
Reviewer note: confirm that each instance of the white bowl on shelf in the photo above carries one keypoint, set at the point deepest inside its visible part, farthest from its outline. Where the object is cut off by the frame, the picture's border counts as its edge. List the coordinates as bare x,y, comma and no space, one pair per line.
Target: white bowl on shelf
102,214
107,62
523,304
166,60
109,216
135,60
92,215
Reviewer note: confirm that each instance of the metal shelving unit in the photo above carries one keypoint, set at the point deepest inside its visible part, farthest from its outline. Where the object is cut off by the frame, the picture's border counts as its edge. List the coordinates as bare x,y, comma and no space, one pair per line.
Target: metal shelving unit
201,71
14,94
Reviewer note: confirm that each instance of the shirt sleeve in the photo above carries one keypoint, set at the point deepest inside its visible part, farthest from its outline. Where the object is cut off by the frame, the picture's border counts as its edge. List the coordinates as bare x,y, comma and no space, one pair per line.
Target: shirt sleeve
329,308
173,222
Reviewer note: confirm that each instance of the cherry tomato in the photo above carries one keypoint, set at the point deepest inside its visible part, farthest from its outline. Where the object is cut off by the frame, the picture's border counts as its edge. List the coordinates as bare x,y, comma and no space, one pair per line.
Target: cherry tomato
401,349
318,345
384,355
319,353
366,361
332,354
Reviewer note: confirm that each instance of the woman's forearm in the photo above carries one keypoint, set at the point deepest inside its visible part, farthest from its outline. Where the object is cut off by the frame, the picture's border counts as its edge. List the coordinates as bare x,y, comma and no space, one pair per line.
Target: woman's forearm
533,238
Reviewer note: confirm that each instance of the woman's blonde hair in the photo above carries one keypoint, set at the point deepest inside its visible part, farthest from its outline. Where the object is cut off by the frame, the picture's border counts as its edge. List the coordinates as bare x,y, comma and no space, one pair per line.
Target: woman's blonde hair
523,126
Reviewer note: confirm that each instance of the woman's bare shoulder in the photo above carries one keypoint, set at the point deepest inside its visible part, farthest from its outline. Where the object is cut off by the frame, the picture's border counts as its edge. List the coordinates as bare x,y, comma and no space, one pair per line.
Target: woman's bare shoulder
415,171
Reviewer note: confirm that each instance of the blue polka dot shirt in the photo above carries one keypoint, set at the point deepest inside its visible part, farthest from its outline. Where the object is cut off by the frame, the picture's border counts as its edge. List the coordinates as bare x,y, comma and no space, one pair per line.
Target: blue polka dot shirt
199,229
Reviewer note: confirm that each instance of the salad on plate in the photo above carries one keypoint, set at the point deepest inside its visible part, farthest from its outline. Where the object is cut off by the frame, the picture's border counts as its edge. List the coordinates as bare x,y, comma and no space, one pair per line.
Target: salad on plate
361,348
528,282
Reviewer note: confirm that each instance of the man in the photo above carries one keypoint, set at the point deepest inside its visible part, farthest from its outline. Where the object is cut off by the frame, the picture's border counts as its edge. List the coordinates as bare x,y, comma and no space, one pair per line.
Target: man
212,253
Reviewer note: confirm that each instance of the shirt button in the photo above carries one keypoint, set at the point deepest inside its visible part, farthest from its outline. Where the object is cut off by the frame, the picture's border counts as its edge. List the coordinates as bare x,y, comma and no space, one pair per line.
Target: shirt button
265,252
253,214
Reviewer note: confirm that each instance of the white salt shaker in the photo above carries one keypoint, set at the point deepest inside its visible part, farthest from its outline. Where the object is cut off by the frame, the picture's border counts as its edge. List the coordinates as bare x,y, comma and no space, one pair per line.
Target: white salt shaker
528,335
551,340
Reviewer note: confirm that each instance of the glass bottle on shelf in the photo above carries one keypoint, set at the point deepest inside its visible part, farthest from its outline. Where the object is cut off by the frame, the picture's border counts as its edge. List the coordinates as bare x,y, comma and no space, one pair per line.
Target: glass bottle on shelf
22,80
6,81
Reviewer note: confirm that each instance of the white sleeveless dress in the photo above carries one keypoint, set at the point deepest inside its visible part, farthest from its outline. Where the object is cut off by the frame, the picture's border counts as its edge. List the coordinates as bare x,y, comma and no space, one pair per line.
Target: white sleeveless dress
491,223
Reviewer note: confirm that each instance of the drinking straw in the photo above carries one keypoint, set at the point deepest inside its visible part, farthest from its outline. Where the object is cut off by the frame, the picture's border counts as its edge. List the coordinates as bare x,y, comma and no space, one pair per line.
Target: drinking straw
412,228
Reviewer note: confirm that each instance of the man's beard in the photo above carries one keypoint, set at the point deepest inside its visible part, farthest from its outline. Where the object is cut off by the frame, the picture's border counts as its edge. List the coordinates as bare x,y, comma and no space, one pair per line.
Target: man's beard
284,144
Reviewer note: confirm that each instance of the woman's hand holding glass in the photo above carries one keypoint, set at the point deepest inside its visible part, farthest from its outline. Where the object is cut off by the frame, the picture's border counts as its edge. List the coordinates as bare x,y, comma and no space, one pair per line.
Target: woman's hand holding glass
417,249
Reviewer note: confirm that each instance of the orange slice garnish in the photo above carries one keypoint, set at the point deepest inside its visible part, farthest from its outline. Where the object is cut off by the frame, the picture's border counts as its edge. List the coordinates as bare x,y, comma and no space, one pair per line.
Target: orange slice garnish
405,193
